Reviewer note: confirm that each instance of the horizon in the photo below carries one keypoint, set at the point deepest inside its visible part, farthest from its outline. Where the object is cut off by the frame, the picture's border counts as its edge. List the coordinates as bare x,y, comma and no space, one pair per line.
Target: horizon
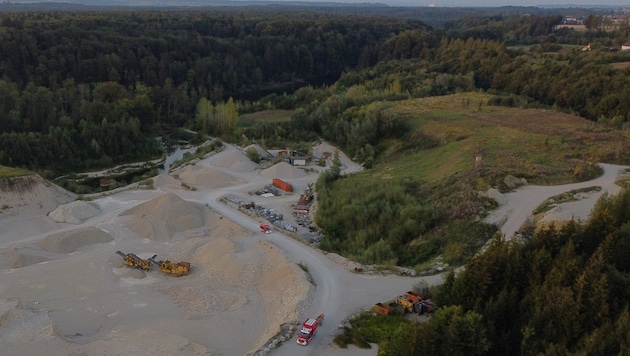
408,3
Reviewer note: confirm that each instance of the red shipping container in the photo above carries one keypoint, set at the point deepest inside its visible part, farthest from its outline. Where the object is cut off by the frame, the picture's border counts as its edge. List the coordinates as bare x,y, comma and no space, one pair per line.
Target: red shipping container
282,185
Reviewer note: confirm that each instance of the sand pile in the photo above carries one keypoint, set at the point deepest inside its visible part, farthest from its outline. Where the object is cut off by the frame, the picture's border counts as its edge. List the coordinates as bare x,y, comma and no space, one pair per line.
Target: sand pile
165,217
75,212
280,274
71,241
25,256
141,340
201,300
235,161
283,170
50,247
208,177
322,148
24,325
30,195
261,268
219,260
218,226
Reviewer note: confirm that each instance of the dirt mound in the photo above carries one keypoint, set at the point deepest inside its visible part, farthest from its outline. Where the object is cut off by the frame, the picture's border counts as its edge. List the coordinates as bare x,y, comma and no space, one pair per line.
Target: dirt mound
74,212
24,325
26,256
324,149
140,340
208,177
235,161
70,241
30,196
201,301
218,226
218,261
165,217
283,170
280,274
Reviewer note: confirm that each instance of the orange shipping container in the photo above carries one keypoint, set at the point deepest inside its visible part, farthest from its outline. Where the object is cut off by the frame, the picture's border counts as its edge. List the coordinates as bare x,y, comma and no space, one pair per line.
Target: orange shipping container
282,184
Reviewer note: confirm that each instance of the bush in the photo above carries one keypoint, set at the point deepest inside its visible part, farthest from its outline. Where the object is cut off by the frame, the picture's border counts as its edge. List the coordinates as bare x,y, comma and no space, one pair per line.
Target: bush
253,154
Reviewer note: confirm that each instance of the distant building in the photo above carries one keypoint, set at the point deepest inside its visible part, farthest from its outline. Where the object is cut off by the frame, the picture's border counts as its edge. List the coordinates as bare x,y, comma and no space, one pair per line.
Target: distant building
625,46
298,160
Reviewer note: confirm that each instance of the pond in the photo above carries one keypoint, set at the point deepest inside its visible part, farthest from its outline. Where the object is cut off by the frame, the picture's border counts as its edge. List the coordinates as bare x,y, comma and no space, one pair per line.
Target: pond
174,156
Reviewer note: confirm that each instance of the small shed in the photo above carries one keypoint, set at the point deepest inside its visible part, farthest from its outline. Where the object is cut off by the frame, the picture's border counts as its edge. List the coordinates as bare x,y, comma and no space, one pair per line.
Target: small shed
298,160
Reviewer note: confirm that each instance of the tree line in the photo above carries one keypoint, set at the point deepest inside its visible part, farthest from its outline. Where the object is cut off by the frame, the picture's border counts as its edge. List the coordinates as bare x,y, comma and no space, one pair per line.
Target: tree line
80,90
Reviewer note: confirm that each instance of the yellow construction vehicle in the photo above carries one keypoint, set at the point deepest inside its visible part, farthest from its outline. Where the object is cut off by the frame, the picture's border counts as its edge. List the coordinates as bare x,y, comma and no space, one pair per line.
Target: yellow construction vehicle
410,306
174,269
132,260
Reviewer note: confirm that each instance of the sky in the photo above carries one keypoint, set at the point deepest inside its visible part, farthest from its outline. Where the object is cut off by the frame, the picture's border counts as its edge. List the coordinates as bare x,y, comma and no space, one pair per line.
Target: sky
497,3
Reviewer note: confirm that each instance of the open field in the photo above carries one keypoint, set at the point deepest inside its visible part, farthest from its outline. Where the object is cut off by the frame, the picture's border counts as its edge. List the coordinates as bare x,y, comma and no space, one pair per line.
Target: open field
265,116
620,65
544,146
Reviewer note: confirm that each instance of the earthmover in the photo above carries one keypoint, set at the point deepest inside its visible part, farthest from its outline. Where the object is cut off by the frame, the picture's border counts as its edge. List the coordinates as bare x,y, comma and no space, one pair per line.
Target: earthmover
174,269
132,260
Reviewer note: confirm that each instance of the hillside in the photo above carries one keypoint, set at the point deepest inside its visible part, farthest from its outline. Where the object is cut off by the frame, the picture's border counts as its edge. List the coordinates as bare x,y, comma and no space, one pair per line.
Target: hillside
30,195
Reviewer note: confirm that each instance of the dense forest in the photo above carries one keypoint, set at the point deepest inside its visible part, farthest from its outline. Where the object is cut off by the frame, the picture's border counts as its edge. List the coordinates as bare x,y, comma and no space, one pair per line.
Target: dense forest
111,81
564,292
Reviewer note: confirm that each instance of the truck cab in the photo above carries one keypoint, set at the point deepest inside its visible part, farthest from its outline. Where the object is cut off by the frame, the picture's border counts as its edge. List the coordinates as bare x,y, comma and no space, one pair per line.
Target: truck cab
264,228
309,329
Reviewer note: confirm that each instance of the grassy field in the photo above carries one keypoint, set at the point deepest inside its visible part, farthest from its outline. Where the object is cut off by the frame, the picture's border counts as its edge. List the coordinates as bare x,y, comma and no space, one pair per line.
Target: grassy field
8,172
266,116
544,146
621,65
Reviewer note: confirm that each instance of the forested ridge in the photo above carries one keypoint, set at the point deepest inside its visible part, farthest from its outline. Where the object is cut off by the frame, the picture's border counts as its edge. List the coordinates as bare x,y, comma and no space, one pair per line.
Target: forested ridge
564,292
89,89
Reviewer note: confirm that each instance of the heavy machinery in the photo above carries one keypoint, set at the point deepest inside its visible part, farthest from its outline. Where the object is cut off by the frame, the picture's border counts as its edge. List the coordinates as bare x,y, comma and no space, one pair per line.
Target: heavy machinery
427,304
132,260
309,329
410,306
174,269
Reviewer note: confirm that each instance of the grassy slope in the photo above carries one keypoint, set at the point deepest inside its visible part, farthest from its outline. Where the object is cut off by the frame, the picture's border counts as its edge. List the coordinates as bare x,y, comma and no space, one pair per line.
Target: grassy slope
8,172
265,116
542,145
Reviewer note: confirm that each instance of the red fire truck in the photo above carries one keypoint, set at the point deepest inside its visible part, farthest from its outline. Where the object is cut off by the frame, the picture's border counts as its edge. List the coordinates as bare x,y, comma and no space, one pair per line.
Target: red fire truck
309,328
265,228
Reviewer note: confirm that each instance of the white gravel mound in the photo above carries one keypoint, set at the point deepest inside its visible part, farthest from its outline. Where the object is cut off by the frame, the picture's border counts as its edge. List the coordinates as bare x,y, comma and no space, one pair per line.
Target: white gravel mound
23,325
71,241
283,170
207,177
234,160
164,218
74,212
